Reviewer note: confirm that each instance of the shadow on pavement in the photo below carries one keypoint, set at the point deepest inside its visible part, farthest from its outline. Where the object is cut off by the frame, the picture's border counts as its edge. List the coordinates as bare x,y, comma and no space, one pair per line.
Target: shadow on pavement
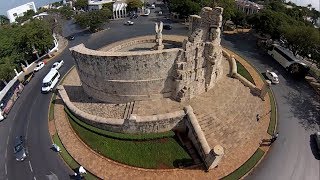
300,98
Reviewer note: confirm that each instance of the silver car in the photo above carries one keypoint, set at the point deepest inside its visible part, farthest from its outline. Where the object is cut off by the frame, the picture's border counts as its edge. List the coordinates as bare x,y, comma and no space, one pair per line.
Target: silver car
19,149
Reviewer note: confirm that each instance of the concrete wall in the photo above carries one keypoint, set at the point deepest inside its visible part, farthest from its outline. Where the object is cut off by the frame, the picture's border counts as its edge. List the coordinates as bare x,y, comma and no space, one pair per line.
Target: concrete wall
119,77
135,124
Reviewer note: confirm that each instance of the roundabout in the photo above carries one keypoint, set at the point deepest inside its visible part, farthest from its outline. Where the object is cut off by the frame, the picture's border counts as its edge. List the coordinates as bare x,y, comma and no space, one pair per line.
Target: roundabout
219,122
289,158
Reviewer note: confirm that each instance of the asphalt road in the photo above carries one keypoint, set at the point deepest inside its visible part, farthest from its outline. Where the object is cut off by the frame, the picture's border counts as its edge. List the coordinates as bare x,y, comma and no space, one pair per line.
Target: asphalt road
29,115
293,155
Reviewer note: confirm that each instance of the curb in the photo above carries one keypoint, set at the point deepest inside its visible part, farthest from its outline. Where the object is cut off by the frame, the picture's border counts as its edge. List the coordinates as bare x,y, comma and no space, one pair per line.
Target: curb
276,111
130,167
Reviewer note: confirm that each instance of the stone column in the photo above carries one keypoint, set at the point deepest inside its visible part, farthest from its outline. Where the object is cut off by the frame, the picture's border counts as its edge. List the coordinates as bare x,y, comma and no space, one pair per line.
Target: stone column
125,12
218,153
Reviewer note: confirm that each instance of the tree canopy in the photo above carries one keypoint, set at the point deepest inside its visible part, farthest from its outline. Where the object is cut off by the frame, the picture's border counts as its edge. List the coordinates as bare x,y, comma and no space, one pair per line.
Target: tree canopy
133,5
17,44
292,26
81,4
93,19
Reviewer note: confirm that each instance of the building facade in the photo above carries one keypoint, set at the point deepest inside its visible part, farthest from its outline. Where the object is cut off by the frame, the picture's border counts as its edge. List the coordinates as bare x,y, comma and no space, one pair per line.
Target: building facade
248,7
16,12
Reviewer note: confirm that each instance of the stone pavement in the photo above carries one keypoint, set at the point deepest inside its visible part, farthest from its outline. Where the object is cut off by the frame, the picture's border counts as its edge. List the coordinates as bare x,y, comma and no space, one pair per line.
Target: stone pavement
227,116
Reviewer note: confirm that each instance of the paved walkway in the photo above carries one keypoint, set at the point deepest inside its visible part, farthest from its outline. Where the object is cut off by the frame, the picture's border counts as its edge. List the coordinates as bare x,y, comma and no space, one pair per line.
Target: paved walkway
220,128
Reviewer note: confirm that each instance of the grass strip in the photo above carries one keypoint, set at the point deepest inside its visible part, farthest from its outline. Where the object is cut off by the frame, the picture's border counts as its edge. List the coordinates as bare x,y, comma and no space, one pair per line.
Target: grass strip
246,167
69,159
162,153
243,72
51,110
120,136
273,117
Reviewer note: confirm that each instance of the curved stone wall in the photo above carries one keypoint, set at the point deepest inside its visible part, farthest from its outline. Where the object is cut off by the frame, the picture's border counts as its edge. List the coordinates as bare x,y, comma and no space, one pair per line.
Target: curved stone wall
119,77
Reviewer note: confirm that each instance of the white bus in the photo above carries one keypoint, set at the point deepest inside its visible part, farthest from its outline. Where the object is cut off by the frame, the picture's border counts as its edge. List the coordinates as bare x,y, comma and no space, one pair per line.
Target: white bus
50,81
288,60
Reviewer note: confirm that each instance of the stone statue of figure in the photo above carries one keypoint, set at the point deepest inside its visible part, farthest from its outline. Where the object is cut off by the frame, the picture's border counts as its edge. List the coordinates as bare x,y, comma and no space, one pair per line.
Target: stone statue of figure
158,30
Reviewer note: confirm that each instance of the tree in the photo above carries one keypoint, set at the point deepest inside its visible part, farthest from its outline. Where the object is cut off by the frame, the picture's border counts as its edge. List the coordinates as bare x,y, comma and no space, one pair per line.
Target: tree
26,16
301,39
6,68
239,18
3,20
66,12
184,7
93,19
81,4
133,5
229,9
271,22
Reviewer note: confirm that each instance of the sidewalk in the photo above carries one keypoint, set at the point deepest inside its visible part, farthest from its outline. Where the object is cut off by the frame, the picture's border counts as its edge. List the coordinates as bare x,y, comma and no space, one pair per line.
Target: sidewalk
62,44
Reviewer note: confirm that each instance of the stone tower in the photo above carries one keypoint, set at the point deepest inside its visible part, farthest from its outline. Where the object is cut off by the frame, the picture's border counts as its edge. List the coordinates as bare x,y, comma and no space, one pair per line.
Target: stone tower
199,65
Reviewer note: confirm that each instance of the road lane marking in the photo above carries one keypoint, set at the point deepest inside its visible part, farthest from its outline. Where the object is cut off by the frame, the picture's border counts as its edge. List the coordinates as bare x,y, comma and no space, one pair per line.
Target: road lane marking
30,166
5,168
8,140
34,178
5,155
30,116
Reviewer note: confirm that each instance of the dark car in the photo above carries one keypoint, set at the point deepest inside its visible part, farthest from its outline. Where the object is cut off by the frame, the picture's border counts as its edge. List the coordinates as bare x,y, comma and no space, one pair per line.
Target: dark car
133,16
317,138
19,149
167,27
70,38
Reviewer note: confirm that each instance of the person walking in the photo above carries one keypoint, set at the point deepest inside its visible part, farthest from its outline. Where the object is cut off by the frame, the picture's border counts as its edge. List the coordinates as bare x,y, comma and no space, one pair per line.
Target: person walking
258,117
274,138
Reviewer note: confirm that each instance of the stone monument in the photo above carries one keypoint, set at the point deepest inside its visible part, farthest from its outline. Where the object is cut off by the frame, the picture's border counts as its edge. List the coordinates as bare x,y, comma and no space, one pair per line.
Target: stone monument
158,29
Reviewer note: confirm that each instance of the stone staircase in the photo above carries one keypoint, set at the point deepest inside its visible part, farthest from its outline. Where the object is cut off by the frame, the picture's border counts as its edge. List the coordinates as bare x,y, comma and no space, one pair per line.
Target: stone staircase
128,110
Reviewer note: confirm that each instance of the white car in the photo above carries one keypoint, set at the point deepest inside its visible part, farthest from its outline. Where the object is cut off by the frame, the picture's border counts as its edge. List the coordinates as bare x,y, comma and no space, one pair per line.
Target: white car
39,66
129,23
57,65
272,76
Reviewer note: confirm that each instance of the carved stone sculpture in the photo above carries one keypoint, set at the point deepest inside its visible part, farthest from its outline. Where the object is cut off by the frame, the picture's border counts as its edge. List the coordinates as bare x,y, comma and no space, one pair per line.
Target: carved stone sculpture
158,30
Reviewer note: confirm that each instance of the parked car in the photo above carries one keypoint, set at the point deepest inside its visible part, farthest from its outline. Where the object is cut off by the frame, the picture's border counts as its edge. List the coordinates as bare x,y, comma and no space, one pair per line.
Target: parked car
70,37
167,27
153,6
317,137
57,65
273,77
19,149
128,23
160,12
39,66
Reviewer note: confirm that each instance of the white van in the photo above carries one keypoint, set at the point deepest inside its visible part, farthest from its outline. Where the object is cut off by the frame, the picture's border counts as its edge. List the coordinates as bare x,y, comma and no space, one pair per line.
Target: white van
50,80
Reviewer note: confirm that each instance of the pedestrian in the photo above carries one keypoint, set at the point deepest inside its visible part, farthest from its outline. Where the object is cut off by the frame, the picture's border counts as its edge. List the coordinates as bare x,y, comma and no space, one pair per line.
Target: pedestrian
258,117
274,138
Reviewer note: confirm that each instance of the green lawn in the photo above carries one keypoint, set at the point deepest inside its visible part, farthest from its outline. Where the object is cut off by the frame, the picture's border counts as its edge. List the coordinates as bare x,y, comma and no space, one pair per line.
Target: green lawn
69,160
120,136
246,167
157,153
273,118
51,109
243,72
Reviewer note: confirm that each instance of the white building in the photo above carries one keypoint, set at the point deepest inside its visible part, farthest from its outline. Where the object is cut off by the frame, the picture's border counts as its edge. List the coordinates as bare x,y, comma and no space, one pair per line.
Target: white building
97,4
13,13
248,7
119,10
